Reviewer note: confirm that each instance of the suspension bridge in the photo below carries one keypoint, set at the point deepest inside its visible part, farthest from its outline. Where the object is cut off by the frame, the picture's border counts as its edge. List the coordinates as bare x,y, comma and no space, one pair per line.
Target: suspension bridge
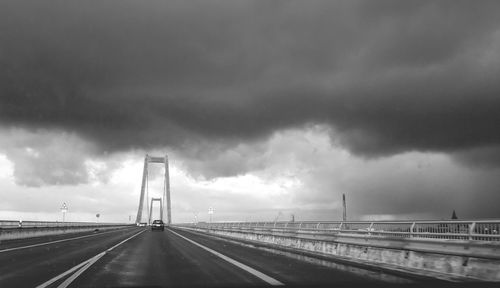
164,201
274,253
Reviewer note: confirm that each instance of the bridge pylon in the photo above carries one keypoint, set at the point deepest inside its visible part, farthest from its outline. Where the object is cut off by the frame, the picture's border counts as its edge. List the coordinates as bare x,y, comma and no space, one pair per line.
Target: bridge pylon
166,190
151,209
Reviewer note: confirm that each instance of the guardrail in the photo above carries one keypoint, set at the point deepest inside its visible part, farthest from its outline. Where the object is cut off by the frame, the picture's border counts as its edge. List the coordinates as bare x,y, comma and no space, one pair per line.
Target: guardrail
482,230
462,250
9,224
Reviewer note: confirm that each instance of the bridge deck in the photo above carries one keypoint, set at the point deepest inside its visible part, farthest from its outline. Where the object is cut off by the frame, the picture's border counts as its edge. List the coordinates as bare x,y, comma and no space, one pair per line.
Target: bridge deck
159,258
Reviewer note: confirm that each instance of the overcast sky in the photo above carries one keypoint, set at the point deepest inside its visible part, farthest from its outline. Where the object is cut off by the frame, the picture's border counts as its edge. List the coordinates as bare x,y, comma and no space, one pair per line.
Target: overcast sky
262,106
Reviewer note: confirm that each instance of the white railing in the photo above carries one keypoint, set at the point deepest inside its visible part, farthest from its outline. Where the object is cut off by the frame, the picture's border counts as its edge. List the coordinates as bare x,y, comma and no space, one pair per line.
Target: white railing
9,224
482,230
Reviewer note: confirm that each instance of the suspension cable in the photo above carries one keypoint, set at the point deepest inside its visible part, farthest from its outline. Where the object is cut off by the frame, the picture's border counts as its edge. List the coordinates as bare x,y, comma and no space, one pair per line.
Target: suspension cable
147,195
164,195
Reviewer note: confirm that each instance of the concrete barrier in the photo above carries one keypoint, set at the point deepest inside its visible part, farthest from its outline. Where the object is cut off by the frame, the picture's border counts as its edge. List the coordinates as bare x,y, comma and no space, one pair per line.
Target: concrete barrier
451,260
30,232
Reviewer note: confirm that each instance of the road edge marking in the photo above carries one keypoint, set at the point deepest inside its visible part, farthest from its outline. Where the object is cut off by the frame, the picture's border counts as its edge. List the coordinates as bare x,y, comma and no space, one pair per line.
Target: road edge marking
86,264
260,275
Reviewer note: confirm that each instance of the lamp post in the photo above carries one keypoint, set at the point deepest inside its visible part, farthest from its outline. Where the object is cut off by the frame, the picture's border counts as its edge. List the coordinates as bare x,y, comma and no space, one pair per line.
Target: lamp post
210,212
344,210
64,209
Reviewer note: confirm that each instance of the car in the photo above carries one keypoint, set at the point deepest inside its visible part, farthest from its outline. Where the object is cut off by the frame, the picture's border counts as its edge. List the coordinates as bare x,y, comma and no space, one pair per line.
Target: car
142,224
157,225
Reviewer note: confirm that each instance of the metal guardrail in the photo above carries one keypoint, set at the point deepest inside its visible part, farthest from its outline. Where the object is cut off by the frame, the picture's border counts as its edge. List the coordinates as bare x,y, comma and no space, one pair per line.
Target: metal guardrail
8,224
481,230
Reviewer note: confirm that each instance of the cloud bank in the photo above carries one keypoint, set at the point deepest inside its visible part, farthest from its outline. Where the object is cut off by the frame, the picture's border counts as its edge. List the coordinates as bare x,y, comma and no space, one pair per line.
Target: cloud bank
389,77
220,85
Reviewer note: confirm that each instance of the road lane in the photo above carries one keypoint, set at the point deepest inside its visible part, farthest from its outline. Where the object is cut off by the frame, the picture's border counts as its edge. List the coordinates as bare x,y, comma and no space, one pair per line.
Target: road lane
158,258
257,273
35,265
165,259
77,270
289,270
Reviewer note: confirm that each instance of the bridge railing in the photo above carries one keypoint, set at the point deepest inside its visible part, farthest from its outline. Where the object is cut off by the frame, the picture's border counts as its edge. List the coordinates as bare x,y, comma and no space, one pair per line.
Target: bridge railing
481,230
8,224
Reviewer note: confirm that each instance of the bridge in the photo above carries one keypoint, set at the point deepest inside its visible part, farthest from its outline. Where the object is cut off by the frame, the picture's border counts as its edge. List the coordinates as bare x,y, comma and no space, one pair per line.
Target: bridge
274,253
144,188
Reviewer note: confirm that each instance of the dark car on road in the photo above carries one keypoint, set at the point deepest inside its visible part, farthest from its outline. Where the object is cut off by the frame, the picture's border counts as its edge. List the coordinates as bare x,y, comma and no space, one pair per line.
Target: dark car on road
157,225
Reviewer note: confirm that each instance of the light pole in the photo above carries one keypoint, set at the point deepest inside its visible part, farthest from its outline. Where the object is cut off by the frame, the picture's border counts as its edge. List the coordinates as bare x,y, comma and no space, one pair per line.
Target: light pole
195,218
344,209
210,212
64,209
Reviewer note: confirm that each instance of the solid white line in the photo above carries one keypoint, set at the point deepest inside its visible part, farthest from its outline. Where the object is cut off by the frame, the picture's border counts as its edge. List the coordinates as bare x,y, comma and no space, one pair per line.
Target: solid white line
86,264
249,269
79,272
52,242
47,283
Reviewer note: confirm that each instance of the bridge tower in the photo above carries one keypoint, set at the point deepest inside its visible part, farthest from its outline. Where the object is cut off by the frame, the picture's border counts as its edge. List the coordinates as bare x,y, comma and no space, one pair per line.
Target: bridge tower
151,209
166,190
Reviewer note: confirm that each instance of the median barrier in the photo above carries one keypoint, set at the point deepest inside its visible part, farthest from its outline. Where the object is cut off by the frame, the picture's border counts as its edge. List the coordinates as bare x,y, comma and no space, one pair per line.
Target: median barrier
10,230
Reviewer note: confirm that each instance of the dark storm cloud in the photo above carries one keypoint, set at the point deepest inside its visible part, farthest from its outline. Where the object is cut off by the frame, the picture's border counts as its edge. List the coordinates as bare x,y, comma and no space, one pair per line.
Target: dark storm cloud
480,157
387,76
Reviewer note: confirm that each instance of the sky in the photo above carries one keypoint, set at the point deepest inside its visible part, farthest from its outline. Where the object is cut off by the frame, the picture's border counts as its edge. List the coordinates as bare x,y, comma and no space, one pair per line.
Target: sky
266,109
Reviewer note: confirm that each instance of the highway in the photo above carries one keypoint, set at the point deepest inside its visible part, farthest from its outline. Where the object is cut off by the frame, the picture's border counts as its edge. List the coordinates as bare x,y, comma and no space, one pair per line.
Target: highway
139,257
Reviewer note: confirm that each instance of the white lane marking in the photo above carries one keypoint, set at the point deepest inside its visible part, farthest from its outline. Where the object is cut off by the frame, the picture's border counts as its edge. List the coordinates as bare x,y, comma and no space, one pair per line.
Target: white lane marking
81,270
45,284
52,242
124,241
86,264
249,269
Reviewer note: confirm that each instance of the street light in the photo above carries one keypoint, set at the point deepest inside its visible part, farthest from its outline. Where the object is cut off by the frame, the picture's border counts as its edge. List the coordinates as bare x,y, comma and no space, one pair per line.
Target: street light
344,209
195,218
210,212
64,209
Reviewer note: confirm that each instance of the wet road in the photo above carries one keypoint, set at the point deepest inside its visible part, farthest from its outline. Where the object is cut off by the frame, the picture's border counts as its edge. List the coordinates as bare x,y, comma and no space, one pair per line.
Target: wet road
140,257
30,262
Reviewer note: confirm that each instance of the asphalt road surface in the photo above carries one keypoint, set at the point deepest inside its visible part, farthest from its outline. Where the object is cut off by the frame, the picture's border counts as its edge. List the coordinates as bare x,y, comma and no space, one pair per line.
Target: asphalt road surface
140,257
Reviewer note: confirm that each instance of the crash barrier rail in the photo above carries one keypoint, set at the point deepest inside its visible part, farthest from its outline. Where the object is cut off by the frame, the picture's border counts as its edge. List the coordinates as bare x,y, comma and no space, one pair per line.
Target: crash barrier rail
482,230
9,224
